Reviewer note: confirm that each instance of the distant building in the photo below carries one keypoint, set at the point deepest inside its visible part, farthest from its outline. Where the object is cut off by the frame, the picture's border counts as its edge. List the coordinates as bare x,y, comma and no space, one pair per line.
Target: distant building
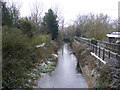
113,37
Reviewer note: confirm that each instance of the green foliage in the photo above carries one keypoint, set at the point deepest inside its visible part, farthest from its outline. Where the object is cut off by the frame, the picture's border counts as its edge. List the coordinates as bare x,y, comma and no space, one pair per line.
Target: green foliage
26,27
78,33
48,68
99,85
14,12
20,56
39,39
91,26
51,24
45,38
19,52
10,15
94,41
6,17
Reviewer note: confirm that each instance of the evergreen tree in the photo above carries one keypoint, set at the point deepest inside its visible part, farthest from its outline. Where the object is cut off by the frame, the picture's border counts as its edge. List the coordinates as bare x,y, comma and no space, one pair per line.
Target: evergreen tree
6,17
10,15
51,24
26,27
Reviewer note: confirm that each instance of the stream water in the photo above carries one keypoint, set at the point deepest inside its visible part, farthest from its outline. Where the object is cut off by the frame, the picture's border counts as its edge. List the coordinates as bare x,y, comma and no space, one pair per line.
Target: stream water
65,74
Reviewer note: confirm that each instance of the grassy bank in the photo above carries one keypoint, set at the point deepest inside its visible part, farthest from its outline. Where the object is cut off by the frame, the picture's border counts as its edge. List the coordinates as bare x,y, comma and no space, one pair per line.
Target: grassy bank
97,74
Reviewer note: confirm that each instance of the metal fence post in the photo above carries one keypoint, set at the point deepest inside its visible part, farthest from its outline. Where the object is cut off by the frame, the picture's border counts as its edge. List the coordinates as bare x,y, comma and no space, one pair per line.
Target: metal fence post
96,49
103,54
99,51
116,56
109,54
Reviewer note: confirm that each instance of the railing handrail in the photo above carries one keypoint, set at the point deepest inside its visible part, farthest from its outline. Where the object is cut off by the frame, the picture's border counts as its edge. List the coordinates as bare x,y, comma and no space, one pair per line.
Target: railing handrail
107,45
110,43
101,51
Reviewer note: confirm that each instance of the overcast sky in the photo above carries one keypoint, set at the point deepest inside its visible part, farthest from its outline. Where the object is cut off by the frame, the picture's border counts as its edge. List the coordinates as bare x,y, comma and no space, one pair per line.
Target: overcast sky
71,8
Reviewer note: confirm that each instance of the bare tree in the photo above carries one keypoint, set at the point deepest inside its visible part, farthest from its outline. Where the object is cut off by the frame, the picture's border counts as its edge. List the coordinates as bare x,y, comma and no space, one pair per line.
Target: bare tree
94,26
36,11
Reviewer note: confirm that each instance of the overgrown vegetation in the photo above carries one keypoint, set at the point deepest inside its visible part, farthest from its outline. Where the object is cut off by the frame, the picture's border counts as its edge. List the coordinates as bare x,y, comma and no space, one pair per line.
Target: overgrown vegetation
97,74
91,26
19,48
49,67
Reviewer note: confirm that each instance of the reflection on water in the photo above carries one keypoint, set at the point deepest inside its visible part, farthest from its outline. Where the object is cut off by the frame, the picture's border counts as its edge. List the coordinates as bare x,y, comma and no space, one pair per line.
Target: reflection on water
65,74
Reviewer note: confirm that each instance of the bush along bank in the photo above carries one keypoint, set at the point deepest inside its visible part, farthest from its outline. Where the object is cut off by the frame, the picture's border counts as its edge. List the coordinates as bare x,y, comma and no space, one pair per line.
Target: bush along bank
47,65
21,56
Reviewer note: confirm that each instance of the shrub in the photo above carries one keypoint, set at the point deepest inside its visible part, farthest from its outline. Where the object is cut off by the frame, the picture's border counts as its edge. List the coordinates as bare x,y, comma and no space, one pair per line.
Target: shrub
39,39
94,41
18,58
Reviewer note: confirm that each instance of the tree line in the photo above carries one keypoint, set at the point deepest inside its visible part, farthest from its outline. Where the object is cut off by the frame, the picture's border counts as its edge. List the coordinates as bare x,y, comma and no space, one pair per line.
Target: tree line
91,26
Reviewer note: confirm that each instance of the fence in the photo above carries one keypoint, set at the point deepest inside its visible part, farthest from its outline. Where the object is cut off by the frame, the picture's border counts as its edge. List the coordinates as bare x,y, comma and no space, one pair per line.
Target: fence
105,54
110,46
107,45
